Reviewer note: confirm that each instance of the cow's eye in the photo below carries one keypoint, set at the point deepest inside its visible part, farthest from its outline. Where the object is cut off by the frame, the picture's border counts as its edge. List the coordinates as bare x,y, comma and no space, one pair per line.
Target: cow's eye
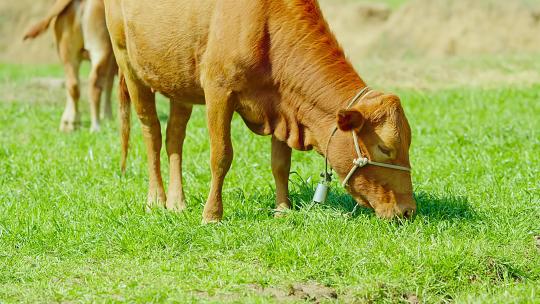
385,150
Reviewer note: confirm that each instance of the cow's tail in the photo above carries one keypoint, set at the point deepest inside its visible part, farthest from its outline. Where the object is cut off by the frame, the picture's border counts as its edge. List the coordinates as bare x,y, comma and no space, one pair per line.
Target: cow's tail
37,29
125,118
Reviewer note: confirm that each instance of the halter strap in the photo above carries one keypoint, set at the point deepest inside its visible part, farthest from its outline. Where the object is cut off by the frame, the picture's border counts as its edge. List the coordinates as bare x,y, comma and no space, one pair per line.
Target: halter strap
327,173
361,161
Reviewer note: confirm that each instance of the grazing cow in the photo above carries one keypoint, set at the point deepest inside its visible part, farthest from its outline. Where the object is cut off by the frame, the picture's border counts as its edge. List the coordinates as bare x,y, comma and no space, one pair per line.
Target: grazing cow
276,63
81,33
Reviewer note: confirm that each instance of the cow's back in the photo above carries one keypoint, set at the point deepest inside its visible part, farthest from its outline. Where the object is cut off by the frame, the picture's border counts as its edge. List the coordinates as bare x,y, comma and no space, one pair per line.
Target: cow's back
164,42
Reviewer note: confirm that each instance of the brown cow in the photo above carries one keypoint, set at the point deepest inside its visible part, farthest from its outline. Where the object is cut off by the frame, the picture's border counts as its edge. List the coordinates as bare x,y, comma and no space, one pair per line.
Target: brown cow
80,31
277,64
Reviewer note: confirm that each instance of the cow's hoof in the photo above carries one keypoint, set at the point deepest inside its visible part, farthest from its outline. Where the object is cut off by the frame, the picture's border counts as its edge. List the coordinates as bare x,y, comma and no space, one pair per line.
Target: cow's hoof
153,205
94,128
212,213
155,199
107,116
281,212
176,207
210,221
68,126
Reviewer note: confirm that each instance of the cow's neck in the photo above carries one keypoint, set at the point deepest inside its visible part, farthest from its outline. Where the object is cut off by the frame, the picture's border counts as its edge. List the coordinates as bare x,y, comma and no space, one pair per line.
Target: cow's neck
314,77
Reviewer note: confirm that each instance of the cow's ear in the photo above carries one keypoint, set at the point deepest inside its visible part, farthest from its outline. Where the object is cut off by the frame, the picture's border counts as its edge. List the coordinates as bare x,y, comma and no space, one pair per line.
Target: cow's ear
350,119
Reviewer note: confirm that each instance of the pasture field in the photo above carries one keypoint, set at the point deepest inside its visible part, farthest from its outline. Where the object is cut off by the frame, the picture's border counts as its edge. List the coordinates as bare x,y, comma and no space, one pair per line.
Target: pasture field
73,229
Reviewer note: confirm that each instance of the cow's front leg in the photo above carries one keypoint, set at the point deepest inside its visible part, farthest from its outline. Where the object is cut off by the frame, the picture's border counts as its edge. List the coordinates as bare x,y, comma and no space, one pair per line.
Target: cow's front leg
281,166
145,105
219,109
176,133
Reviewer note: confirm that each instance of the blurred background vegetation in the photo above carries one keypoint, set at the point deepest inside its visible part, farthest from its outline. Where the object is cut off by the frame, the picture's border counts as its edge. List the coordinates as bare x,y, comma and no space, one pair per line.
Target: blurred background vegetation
413,44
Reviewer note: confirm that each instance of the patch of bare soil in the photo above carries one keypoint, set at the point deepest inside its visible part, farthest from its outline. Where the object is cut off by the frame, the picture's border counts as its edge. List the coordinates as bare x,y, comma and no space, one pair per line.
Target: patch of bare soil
312,292
412,299
383,293
47,82
486,71
459,27
15,18
537,241
356,25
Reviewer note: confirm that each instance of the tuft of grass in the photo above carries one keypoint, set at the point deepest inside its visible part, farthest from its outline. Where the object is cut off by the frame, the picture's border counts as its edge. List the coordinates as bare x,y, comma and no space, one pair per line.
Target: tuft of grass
72,228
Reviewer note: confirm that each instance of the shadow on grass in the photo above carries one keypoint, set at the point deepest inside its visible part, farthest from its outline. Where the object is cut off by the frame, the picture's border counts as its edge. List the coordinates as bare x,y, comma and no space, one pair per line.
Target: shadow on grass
444,207
432,206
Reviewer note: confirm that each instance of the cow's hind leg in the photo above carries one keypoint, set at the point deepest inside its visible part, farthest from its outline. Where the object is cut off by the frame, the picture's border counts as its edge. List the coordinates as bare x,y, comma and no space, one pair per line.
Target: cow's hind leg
97,82
281,166
109,81
69,43
219,109
71,117
176,133
98,44
144,103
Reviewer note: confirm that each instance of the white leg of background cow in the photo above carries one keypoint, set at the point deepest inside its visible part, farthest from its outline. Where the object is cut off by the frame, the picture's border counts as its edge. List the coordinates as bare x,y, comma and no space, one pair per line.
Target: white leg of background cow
71,117
96,83
70,45
98,44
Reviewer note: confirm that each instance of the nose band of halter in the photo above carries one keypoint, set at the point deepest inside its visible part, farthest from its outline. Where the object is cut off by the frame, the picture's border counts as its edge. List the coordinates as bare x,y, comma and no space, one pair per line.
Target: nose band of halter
361,161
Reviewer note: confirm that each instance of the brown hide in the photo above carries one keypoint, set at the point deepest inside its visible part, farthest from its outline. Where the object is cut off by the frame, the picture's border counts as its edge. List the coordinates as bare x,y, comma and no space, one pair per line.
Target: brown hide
277,64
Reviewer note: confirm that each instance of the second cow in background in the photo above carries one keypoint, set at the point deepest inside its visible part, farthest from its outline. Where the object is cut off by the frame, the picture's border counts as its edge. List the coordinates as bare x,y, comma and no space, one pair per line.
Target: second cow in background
81,33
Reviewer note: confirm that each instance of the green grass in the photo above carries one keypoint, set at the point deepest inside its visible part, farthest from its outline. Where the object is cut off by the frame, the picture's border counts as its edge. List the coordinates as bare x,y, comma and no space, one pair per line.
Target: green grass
73,229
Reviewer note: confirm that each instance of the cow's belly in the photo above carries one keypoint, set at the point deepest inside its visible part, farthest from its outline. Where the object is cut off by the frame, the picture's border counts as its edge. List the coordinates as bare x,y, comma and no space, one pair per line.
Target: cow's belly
165,44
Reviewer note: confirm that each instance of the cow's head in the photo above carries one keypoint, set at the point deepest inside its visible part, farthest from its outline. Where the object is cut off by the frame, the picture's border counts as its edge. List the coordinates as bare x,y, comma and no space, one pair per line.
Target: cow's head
384,136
